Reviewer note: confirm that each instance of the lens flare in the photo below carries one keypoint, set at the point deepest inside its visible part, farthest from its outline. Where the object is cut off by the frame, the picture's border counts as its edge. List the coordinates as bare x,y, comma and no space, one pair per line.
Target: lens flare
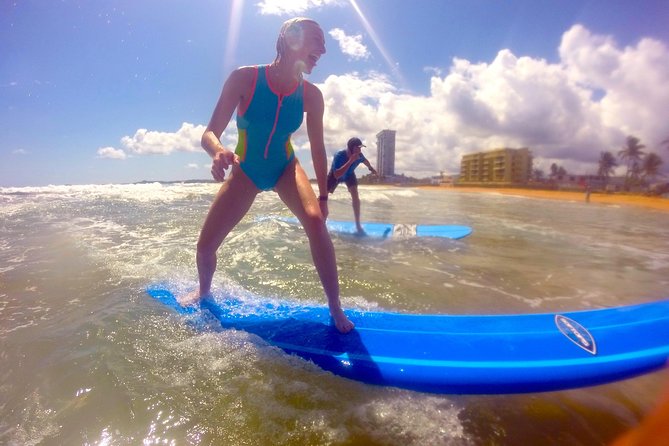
236,7
394,68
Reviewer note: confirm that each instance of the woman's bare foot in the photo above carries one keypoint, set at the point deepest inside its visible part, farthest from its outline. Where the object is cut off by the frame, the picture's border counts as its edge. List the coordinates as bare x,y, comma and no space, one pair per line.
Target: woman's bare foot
189,299
343,324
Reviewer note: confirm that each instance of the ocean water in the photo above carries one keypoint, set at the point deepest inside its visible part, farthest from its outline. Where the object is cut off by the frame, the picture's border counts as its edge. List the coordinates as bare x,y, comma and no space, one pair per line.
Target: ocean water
87,358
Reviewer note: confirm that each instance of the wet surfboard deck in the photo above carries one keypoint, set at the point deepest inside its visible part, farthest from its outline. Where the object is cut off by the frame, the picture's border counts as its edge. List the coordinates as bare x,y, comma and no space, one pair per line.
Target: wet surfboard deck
387,230
457,354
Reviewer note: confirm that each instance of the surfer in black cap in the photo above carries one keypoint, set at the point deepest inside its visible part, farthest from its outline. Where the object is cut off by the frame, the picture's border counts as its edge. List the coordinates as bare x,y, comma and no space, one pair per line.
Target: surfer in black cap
343,171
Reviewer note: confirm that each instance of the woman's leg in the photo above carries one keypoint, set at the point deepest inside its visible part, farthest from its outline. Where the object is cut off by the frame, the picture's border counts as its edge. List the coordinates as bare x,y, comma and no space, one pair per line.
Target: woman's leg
295,190
232,202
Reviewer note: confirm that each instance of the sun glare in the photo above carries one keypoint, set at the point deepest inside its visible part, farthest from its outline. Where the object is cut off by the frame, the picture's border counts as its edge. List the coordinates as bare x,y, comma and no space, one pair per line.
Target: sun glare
394,68
233,34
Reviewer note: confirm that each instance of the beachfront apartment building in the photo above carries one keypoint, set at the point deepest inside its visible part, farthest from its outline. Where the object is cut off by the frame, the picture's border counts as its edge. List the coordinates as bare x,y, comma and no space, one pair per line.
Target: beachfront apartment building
499,167
385,155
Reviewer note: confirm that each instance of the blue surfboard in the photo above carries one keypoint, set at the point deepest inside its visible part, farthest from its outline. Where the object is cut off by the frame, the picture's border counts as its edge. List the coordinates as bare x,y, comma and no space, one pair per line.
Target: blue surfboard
386,230
458,354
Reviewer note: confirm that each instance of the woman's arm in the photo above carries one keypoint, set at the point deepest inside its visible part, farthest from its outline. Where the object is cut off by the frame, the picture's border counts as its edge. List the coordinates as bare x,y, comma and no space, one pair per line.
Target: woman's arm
235,90
315,108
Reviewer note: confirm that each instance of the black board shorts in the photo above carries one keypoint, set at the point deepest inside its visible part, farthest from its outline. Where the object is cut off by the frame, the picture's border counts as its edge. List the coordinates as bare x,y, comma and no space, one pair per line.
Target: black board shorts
350,181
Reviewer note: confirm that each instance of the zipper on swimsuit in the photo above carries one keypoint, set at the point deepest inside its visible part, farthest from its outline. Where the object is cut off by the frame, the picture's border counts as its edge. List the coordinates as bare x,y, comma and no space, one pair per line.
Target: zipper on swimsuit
276,120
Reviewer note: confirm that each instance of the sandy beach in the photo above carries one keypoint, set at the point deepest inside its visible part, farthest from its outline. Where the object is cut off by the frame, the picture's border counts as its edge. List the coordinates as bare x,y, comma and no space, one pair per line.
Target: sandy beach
658,203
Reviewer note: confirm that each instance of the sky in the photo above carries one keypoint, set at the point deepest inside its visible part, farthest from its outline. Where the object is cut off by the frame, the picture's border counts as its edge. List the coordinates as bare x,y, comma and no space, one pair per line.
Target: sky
120,91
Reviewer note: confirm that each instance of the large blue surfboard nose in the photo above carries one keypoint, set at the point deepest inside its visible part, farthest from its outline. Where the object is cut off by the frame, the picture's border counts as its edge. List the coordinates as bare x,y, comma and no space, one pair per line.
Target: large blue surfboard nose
459,354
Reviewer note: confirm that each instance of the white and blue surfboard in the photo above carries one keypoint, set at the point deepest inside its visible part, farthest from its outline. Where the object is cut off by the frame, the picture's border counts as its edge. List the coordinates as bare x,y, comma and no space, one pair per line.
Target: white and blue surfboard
386,230
459,354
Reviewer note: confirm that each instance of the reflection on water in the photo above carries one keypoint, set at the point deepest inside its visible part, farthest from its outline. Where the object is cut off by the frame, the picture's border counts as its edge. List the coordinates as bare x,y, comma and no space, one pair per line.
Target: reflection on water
88,358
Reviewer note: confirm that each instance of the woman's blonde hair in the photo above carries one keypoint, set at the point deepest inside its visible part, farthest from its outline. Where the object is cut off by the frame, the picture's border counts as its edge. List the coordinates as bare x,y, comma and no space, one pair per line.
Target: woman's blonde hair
291,30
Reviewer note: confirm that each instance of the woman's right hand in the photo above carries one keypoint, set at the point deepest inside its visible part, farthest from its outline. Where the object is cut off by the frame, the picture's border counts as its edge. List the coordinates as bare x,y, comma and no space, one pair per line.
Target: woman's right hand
222,161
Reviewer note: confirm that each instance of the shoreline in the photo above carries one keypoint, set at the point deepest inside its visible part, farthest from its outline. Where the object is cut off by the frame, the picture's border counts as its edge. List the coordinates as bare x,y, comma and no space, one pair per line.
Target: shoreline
656,203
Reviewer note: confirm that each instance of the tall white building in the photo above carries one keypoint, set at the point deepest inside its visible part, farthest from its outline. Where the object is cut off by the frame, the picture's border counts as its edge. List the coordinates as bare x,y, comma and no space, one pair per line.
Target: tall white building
385,155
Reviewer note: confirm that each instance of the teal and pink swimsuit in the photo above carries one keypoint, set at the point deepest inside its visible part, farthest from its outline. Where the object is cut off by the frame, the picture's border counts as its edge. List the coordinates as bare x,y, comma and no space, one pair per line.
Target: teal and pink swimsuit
265,127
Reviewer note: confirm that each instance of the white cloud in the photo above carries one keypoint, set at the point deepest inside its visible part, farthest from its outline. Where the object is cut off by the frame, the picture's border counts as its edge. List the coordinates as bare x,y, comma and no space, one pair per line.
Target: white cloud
437,71
192,166
112,153
352,46
292,7
634,80
19,152
151,142
146,142
568,111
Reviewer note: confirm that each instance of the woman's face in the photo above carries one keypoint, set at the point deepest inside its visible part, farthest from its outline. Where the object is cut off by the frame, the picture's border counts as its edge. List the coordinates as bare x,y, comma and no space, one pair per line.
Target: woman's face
308,46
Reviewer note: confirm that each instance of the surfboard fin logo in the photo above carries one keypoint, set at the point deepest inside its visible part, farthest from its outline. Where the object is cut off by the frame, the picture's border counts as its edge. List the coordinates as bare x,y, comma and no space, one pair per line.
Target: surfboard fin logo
576,333
403,230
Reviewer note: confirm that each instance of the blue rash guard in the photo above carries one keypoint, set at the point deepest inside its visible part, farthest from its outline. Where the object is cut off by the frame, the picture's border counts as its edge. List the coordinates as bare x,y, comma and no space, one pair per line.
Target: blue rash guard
349,177
265,127
340,159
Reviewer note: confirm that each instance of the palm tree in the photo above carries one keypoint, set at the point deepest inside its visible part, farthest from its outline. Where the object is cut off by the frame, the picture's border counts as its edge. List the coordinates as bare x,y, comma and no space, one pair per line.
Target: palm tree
554,170
650,166
557,171
631,154
607,165
538,175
